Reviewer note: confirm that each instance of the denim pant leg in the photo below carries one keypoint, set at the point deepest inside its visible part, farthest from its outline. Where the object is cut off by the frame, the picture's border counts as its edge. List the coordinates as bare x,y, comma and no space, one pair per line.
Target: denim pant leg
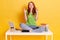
25,27
40,29
33,27
37,30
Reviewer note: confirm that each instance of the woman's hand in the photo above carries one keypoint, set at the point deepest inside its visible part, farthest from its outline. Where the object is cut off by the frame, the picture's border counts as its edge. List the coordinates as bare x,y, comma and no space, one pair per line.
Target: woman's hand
25,11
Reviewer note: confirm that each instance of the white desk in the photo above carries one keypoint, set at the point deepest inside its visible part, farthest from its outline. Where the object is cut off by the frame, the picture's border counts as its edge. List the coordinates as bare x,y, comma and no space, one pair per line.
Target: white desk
28,33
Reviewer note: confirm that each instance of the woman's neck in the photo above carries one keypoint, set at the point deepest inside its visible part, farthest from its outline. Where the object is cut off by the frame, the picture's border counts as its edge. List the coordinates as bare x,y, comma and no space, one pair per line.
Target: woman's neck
30,10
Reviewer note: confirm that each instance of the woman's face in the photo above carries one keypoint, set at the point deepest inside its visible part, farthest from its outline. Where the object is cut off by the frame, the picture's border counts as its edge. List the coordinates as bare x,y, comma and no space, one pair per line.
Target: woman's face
31,6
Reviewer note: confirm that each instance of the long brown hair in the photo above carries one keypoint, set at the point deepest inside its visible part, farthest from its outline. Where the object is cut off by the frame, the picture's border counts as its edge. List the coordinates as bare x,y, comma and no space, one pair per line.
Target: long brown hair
34,9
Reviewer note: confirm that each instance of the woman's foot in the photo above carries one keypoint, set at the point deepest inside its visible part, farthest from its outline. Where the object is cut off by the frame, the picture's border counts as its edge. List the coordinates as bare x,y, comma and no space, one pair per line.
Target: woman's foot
31,30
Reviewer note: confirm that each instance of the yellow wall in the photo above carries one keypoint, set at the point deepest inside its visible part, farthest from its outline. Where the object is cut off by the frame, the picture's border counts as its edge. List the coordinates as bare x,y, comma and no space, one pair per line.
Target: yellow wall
12,10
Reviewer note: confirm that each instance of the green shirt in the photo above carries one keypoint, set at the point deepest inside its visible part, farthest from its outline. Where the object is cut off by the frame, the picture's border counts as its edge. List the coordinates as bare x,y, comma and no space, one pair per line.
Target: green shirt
31,19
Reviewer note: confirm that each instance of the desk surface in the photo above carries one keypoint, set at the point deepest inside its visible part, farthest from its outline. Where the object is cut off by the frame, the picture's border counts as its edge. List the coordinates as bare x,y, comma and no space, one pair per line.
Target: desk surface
28,33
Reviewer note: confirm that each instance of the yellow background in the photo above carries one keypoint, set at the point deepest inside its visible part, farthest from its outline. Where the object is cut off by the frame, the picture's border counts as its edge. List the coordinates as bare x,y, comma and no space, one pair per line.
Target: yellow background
12,10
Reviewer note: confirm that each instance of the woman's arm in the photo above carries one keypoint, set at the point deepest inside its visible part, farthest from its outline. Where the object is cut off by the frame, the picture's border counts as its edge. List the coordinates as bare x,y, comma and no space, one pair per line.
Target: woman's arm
25,14
36,14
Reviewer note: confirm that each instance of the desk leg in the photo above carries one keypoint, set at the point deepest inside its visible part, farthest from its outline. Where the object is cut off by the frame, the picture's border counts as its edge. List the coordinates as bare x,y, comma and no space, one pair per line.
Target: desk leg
10,37
52,37
6,37
46,37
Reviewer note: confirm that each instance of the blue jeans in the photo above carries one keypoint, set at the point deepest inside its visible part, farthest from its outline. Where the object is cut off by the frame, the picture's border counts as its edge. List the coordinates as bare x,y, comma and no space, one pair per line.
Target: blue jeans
34,28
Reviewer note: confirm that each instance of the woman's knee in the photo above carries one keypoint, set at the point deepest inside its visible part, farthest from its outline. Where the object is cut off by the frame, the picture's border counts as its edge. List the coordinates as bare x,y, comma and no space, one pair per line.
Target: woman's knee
22,24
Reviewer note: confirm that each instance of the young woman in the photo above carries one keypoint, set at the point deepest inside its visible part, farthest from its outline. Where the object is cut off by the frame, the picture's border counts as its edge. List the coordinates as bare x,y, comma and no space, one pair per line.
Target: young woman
31,15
